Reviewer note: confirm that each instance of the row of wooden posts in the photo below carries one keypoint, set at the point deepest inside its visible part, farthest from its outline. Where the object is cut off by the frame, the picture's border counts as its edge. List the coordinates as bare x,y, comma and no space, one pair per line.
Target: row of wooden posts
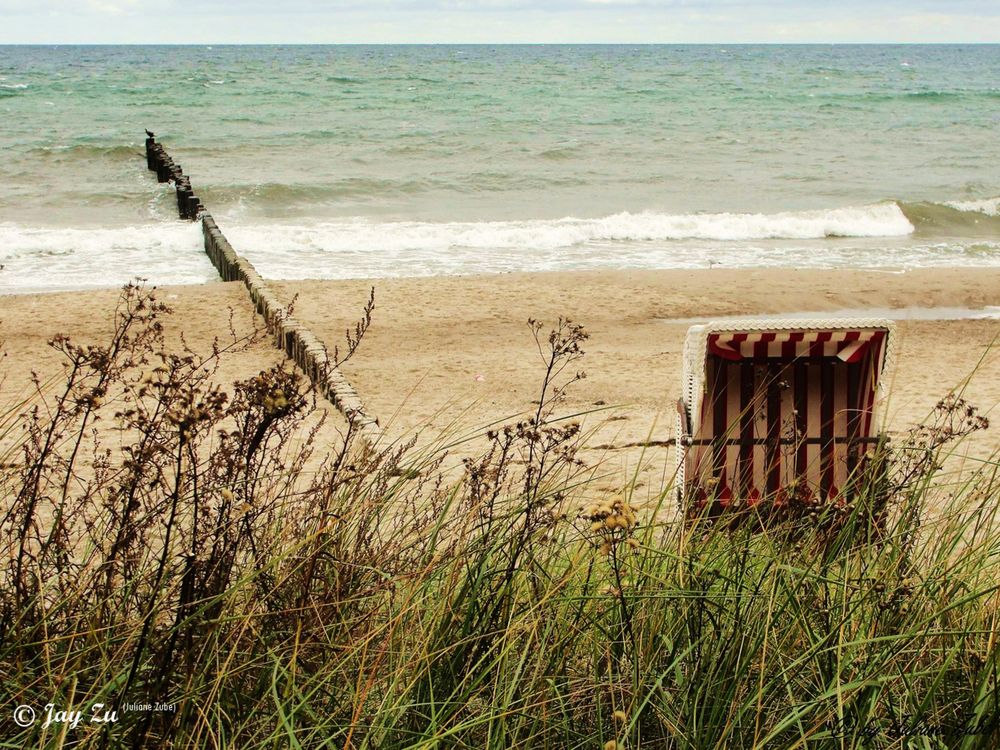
159,161
290,335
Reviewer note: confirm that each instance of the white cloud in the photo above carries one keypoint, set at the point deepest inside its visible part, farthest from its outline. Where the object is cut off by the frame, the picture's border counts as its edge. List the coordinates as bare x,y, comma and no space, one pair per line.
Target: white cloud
116,8
496,21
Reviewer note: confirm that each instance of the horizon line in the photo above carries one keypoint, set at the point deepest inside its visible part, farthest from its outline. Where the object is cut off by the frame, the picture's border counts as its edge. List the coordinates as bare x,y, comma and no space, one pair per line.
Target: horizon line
502,44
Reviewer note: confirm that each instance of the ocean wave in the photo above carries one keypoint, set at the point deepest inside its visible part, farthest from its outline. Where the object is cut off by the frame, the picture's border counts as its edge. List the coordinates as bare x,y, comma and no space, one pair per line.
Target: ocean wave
170,252
562,151
283,252
12,89
843,99
44,258
878,220
938,95
988,206
283,195
966,218
90,151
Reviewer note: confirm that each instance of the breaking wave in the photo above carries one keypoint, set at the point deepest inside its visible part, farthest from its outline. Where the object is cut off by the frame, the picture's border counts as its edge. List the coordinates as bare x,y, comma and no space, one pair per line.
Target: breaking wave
886,234
878,220
36,259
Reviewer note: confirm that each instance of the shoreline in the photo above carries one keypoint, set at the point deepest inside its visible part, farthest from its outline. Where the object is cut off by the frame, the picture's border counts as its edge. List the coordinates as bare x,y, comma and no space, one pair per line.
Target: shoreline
946,274
449,354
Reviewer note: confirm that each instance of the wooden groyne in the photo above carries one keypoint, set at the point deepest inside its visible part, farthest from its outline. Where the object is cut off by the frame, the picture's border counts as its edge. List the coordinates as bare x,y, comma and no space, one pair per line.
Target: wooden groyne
159,161
290,335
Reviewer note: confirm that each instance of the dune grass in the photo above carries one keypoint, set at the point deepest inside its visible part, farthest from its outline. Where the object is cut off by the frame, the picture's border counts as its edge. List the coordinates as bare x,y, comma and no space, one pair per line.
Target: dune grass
274,593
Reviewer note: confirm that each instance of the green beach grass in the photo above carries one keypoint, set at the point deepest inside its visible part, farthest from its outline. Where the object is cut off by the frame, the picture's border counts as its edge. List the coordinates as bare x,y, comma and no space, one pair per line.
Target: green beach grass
184,569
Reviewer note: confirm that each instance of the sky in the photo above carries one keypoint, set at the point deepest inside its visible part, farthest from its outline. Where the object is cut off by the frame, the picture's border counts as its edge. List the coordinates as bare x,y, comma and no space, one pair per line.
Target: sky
495,21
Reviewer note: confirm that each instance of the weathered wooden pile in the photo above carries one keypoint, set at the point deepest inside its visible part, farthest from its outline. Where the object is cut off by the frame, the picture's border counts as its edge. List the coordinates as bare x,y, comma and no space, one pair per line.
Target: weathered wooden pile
159,161
290,335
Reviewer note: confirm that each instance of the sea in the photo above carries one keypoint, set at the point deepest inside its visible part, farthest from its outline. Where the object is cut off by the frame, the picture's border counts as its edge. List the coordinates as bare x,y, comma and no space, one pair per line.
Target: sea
342,162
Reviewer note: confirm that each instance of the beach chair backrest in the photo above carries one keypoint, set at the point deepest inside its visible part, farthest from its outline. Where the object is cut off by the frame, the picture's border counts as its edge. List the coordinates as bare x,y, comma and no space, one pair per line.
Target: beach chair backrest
773,408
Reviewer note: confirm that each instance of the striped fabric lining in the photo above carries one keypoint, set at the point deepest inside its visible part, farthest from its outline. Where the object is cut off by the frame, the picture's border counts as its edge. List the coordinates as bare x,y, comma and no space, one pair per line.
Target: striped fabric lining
848,346
784,408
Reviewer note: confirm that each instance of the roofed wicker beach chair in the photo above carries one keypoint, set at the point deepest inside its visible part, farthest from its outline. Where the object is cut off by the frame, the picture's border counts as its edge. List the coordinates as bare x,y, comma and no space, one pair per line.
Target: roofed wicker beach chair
779,411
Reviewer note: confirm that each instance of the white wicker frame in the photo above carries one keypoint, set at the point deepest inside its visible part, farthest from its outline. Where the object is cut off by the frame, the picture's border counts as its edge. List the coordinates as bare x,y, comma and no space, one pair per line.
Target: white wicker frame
696,354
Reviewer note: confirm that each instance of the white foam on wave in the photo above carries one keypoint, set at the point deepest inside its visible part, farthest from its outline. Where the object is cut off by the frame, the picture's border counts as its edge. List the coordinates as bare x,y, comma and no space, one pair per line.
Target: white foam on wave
36,259
988,206
280,256
877,220
170,252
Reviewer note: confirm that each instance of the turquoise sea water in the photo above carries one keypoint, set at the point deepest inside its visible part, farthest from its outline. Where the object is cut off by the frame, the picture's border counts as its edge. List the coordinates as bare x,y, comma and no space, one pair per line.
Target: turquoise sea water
408,160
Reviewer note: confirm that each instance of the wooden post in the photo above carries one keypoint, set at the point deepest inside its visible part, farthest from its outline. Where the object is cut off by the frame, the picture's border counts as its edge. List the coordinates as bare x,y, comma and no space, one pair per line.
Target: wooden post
290,335
183,192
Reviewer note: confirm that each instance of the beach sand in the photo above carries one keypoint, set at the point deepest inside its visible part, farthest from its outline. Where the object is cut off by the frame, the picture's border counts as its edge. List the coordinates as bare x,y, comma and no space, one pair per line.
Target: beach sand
454,354
200,314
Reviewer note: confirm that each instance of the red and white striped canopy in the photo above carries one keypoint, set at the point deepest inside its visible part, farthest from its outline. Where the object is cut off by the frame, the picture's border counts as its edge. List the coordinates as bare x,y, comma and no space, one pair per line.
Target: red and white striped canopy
846,345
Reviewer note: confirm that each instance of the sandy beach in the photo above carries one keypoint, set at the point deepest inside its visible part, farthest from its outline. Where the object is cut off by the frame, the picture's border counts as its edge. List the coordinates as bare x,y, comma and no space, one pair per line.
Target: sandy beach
274,512
450,355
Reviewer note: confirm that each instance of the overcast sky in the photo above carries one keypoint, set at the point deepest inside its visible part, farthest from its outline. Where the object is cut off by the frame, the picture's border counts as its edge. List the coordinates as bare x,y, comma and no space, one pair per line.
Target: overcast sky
496,21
